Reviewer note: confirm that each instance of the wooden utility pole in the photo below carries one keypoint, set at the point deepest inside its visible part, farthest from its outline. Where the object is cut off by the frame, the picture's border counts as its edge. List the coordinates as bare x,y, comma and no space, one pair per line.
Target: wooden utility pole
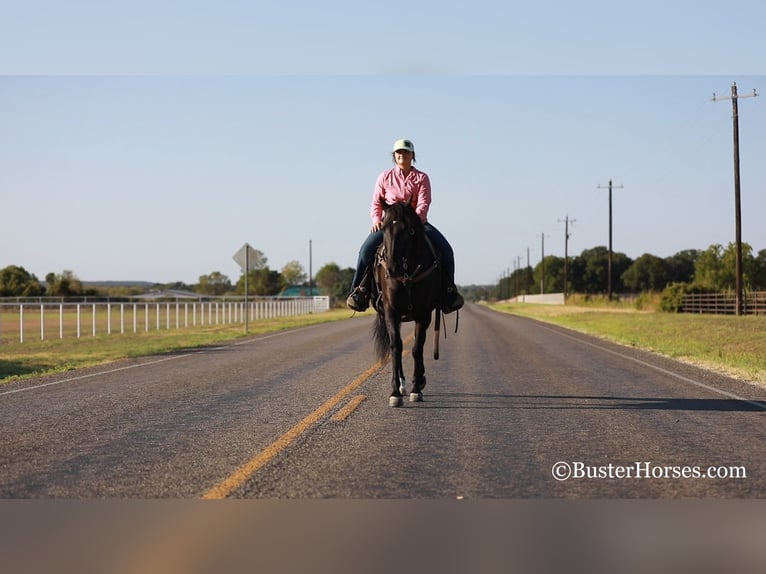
528,275
737,205
311,274
567,221
609,266
542,264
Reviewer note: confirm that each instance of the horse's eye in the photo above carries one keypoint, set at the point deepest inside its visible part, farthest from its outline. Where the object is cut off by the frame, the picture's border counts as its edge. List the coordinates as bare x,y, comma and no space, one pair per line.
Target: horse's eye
412,231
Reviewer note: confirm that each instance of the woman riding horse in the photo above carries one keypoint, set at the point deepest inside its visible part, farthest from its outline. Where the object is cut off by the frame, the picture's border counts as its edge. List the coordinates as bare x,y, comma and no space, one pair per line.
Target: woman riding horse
402,183
407,276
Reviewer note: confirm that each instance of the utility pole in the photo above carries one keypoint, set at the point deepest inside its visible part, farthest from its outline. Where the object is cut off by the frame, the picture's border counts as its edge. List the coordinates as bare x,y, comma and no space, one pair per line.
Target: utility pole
737,205
542,264
528,275
567,221
311,275
609,266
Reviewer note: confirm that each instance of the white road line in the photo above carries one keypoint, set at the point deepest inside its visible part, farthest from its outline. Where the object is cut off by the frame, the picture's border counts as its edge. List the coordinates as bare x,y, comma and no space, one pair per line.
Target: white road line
660,369
148,363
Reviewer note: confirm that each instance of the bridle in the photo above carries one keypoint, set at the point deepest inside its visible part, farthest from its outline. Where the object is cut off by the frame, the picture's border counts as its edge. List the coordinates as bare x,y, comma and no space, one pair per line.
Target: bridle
419,274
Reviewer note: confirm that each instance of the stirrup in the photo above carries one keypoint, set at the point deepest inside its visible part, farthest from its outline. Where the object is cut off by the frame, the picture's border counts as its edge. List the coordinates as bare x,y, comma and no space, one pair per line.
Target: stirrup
452,300
358,300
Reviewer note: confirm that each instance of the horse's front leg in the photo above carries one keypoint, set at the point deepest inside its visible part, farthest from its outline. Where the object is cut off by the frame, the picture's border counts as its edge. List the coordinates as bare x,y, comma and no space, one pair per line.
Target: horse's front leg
397,372
419,374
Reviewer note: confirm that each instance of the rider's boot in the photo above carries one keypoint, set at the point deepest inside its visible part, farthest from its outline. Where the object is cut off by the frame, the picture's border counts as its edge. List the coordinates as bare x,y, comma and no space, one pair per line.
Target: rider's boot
359,299
452,299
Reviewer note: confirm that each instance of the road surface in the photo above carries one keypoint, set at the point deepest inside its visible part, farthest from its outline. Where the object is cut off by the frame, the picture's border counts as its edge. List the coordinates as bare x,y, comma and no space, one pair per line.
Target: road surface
514,408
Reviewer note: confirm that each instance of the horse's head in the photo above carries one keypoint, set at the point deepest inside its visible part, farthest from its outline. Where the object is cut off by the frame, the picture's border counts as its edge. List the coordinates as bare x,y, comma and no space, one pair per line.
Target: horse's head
402,235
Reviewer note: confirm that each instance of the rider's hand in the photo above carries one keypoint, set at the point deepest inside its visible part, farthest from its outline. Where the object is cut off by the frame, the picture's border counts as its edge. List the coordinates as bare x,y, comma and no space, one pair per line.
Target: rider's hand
376,226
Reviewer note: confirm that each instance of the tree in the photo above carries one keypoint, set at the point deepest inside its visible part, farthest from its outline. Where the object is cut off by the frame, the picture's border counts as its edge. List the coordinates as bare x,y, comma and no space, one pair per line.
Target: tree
293,273
215,283
64,285
335,281
749,265
708,270
680,266
589,270
759,275
647,273
263,282
15,281
554,274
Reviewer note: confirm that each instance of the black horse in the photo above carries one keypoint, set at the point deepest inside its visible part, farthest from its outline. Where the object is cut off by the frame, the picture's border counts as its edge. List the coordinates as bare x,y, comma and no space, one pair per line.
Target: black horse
408,286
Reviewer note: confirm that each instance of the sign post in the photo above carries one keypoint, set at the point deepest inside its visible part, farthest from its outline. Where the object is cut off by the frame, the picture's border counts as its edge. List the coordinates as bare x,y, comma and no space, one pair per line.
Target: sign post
246,257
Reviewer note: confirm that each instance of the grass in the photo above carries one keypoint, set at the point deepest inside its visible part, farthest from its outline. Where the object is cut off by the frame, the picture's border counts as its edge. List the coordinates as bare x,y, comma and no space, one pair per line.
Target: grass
731,345
35,357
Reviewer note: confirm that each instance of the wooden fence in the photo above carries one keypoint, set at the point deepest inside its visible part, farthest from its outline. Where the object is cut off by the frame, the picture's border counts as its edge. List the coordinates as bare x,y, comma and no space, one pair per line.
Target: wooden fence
40,321
754,303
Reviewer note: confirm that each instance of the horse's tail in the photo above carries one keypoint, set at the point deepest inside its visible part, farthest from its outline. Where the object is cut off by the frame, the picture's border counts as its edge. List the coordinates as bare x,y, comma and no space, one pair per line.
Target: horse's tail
380,338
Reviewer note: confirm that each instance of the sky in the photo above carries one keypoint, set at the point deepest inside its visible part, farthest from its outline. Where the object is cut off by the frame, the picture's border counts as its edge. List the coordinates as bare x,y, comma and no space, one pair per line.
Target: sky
148,141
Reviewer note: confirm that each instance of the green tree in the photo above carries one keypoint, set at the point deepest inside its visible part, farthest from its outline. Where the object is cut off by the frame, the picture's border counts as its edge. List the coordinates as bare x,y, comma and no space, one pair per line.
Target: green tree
647,273
749,265
590,269
215,284
554,275
65,284
293,273
709,270
334,281
759,274
680,266
263,282
15,281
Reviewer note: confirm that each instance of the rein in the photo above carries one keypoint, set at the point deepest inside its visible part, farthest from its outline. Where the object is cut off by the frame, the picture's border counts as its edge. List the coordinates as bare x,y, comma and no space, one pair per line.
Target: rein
407,279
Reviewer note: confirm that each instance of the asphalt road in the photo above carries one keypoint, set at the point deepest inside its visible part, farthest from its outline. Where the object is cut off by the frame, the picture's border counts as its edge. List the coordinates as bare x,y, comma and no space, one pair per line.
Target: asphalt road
513,409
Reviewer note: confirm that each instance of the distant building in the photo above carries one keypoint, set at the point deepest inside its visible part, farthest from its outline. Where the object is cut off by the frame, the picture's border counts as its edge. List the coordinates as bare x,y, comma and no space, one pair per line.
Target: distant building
301,291
165,294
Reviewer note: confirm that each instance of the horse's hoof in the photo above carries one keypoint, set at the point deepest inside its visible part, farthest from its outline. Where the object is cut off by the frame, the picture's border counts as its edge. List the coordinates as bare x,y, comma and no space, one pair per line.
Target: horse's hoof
395,401
416,397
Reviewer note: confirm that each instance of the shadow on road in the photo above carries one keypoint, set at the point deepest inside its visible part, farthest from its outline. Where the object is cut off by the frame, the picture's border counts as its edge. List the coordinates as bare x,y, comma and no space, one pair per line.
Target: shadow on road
491,401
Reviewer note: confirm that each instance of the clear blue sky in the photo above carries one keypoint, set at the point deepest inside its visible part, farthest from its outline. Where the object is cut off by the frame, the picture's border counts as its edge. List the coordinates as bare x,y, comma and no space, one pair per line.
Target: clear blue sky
150,140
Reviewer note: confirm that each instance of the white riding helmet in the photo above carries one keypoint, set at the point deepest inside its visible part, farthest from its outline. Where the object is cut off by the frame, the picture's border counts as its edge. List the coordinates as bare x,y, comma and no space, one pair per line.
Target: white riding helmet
404,144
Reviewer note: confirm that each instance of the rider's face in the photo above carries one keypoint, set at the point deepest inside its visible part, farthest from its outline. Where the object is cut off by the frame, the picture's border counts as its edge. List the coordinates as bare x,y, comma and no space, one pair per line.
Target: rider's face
403,158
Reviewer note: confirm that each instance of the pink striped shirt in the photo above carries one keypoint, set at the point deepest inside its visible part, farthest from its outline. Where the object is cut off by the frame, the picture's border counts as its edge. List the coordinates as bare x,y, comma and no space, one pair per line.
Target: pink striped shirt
393,186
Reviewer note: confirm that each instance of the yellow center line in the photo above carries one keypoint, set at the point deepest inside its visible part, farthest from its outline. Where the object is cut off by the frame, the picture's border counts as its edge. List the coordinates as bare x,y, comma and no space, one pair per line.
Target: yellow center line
350,407
239,476
226,486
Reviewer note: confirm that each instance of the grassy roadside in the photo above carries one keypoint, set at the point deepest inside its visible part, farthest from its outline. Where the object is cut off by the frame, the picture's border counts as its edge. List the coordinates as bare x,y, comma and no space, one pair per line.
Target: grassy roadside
34,358
735,346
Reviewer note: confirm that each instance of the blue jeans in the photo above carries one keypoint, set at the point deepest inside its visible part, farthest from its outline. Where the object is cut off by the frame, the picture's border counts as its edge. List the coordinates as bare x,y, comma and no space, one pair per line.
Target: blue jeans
367,253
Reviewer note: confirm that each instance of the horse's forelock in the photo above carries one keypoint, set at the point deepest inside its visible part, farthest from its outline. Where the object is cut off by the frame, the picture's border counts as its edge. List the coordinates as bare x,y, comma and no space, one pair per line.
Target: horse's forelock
401,211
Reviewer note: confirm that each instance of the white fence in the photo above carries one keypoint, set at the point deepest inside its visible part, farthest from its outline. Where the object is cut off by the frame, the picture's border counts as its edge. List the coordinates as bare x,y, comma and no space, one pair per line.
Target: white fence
45,320
547,298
